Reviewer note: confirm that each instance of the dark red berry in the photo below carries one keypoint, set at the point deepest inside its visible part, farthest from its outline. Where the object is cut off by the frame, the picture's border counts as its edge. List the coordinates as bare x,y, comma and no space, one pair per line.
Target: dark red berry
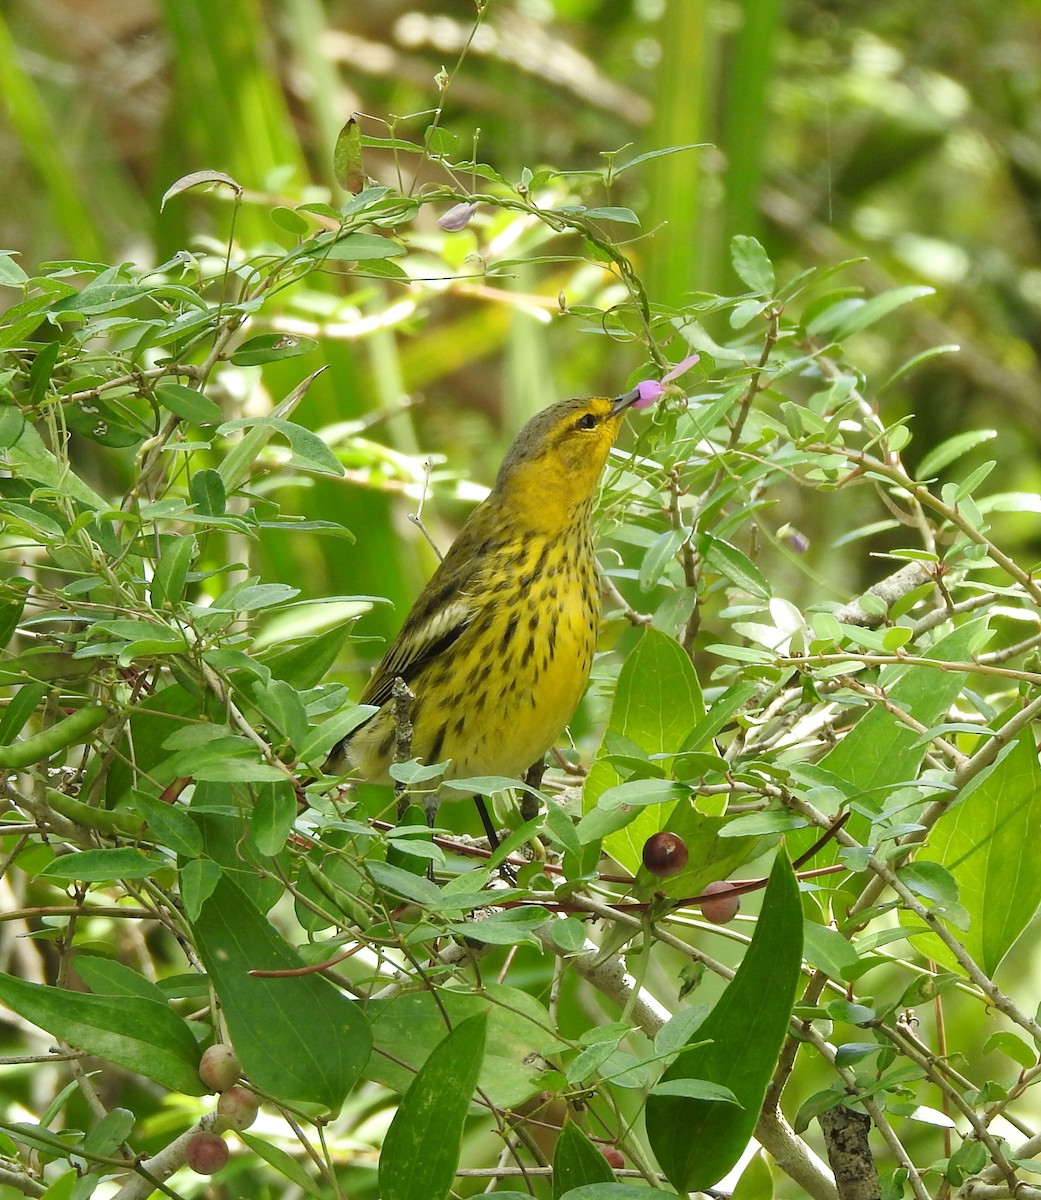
615,1158
665,854
206,1153
722,903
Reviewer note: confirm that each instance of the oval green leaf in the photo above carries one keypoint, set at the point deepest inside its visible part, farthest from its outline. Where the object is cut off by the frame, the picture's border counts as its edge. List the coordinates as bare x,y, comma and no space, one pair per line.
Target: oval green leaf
421,1149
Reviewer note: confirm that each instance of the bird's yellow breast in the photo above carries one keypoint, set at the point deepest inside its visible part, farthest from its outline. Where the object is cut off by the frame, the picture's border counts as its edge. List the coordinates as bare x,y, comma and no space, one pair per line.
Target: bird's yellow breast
500,700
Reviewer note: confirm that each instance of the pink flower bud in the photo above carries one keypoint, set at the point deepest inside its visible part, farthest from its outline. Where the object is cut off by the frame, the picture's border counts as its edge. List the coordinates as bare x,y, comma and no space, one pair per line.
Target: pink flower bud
457,217
651,390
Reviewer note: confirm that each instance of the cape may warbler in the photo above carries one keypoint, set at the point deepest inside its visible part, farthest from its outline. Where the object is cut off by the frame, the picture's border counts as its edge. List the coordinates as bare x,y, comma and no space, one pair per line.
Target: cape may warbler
497,648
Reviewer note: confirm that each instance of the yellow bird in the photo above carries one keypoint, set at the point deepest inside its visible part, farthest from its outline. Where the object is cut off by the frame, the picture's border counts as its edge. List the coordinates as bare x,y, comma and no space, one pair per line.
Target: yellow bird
497,648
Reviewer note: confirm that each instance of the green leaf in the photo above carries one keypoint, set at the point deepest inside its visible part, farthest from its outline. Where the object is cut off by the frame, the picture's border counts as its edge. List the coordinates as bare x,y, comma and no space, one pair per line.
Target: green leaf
951,450
719,715
199,179
988,841
410,1026
855,314
347,158
421,1148
223,760
237,463
250,597
107,977
310,453
698,1141
290,220
363,247
973,481
169,823
31,459
63,1188
1013,1046
149,726
11,274
171,571
285,1164
969,1158
137,1034
819,1102
514,926
652,154
853,1052
752,264
696,1089
404,884
656,704
577,1162
323,737
930,881
283,710
101,297
729,562
914,362
297,1037
501,1195
104,866
43,366
561,828
188,404
638,793
271,347
110,1132
198,879
854,1014
756,1182
569,934
625,215
273,816
828,951
207,492
20,708
659,555
881,751
305,665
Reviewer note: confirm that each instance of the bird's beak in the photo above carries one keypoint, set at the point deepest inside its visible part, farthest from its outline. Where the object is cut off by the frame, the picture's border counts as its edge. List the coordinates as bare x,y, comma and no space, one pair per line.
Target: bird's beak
620,403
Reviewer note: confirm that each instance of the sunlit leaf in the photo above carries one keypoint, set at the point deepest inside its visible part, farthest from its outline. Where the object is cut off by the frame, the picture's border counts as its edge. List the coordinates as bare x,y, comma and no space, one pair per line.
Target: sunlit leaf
347,158
199,179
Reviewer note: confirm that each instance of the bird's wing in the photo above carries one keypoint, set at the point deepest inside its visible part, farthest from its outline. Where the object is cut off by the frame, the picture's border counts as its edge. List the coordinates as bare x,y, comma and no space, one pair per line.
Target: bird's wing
423,637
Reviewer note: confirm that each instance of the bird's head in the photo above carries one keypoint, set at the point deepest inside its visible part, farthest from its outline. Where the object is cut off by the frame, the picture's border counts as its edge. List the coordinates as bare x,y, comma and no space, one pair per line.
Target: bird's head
551,471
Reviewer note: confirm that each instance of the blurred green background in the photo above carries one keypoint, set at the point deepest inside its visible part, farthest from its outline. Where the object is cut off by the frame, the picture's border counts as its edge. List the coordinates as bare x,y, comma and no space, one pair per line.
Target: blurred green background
891,130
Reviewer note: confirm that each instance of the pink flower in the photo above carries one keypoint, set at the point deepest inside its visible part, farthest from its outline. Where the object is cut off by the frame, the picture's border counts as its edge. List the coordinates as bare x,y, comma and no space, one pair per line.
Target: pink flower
457,217
651,390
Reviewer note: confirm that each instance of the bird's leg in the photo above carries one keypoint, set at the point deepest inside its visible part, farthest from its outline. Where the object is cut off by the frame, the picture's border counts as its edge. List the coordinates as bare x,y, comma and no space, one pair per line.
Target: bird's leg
505,869
431,803
529,804
486,821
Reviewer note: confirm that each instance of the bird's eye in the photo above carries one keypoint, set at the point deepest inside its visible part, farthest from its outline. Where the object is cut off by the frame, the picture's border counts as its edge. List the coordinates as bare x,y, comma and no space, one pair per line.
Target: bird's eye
586,422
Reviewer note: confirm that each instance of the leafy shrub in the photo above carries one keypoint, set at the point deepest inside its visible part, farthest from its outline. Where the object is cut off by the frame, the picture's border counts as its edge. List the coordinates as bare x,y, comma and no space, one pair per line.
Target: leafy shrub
188,877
